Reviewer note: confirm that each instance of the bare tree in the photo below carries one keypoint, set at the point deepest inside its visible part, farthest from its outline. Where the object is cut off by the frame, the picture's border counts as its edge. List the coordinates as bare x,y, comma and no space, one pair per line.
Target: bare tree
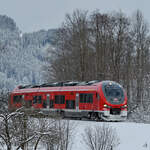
23,131
100,137
100,25
46,132
141,48
72,48
7,132
4,96
55,134
66,133
14,130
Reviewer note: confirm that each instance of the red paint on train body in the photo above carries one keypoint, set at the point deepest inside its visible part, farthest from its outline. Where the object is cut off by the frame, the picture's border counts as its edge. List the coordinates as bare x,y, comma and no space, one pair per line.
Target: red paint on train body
104,100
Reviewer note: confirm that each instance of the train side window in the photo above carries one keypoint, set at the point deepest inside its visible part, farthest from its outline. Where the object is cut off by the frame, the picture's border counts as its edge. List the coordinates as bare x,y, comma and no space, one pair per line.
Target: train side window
34,99
81,98
56,99
37,99
62,99
89,98
70,104
17,99
86,98
59,99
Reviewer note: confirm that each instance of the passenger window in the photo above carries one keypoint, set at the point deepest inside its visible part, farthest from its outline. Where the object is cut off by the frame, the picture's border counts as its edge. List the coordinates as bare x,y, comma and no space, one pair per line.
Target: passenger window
70,104
81,98
90,98
86,98
17,99
34,99
59,99
37,99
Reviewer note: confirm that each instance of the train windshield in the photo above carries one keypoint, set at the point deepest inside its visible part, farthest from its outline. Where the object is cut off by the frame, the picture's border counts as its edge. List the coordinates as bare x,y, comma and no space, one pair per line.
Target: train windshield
113,93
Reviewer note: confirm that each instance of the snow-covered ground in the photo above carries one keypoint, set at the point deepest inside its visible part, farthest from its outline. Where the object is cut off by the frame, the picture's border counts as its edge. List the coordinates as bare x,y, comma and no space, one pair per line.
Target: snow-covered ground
133,136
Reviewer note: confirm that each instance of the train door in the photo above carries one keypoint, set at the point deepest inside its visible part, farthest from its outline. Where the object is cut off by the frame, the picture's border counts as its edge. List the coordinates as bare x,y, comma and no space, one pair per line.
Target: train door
51,103
37,100
48,101
77,101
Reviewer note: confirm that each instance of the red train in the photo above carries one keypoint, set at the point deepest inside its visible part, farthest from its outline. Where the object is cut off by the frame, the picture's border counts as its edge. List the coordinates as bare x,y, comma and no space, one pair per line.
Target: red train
95,100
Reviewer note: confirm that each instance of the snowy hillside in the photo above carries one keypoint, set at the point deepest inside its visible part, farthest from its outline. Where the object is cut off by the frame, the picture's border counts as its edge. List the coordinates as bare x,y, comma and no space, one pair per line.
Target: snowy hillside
133,136
22,56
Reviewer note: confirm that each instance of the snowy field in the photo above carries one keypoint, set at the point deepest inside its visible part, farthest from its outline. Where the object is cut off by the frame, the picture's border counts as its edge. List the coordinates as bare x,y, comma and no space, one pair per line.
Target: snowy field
133,136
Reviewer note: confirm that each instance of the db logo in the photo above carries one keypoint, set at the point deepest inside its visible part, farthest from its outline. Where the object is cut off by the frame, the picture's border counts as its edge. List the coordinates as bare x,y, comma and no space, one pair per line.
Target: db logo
115,99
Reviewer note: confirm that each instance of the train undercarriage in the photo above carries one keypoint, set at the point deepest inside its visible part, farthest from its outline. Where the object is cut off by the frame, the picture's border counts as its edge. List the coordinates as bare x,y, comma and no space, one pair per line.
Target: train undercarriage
80,115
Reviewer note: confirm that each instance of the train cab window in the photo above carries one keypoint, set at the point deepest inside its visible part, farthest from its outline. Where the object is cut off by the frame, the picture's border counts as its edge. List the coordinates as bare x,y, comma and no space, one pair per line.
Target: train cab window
59,99
37,99
17,99
86,98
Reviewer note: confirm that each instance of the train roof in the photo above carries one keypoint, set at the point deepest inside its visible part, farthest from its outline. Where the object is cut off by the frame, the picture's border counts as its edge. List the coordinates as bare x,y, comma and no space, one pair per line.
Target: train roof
61,86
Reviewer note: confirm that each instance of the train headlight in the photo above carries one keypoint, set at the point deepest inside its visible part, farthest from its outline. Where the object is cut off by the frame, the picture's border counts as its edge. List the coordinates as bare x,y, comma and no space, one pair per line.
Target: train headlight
124,106
106,106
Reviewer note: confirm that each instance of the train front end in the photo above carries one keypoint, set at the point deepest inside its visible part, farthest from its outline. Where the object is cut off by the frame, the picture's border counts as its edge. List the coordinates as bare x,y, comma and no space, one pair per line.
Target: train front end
114,102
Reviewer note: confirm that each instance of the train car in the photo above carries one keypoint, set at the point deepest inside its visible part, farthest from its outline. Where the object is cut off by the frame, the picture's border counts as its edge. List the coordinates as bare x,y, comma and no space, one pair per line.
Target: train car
105,100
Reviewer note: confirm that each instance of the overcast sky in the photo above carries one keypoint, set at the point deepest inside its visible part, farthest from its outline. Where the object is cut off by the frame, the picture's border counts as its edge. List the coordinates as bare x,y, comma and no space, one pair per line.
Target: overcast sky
33,15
